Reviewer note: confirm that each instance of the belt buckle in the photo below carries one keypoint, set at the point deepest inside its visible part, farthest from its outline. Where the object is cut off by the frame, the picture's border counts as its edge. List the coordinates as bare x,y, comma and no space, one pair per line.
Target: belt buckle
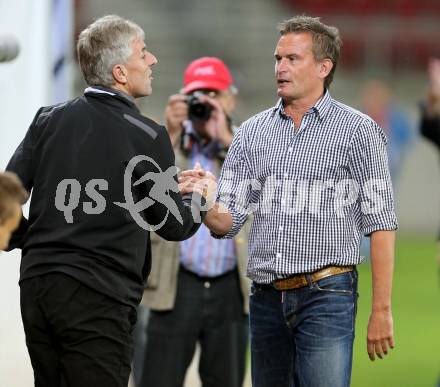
330,271
294,282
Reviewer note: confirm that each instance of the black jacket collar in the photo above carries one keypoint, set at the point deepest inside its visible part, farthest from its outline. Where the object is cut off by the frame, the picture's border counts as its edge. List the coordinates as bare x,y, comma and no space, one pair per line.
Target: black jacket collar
108,91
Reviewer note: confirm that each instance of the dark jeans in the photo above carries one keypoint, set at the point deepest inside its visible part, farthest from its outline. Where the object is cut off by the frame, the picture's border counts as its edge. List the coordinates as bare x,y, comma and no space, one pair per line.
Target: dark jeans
206,311
304,337
76,337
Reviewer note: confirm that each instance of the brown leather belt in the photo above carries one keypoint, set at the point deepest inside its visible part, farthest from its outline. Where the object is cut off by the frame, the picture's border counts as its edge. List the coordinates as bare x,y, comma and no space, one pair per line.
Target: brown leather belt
300,280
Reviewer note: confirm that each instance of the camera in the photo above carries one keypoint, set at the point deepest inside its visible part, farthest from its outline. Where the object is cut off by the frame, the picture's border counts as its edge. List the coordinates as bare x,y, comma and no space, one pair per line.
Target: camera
197,110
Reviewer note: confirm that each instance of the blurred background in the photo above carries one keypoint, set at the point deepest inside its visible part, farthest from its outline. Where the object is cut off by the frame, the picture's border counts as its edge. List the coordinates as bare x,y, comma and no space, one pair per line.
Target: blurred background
383,72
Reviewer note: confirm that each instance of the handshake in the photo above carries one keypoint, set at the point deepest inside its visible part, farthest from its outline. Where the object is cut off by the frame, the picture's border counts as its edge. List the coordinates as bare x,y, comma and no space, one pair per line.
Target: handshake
200,181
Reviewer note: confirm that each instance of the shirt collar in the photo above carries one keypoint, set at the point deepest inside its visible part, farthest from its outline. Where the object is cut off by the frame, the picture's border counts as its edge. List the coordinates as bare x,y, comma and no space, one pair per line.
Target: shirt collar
109,91
320,108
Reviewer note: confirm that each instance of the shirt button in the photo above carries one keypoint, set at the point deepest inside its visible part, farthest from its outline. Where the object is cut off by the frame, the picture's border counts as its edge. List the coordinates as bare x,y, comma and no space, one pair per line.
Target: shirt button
278,255
290,149
286,175
207,285
281,228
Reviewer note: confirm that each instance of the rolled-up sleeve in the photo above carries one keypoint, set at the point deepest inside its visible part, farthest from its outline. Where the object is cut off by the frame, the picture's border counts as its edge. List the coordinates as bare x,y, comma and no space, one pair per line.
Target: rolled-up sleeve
369,167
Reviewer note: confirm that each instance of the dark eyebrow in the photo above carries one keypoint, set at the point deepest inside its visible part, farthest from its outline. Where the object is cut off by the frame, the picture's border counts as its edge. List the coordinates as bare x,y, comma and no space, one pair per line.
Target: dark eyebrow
293,55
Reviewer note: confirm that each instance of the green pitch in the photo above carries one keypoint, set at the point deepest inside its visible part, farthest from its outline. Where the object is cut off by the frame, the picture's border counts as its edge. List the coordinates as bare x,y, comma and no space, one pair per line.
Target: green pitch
415,362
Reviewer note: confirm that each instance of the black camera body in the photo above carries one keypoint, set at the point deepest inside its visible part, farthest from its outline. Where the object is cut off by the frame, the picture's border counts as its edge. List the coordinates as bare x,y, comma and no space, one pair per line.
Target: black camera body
198,111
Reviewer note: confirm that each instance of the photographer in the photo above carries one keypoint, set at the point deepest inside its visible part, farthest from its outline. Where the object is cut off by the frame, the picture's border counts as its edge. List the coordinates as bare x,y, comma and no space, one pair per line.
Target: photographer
197,290
203,110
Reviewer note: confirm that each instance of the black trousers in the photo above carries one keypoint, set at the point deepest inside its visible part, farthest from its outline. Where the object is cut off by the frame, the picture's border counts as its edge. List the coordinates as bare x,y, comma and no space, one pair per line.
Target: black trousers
76,337
206,311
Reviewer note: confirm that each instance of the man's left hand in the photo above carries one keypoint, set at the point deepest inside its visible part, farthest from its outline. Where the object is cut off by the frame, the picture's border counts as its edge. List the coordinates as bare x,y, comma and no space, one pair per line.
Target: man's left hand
380,337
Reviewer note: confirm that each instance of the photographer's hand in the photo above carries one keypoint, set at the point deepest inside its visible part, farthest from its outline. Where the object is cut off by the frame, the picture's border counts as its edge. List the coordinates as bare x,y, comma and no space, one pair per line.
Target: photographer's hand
217,127
176,112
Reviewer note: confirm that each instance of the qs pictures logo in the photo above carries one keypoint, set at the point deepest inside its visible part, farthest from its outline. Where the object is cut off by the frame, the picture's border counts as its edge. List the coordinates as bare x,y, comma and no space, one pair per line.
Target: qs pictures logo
67,198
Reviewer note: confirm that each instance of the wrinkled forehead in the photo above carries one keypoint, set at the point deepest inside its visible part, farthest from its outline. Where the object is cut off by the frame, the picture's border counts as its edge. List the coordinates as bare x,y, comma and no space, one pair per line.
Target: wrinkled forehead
294,41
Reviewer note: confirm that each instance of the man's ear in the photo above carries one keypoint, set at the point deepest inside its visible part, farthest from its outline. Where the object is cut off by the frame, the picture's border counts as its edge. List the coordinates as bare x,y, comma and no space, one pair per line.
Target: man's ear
120,74
325,67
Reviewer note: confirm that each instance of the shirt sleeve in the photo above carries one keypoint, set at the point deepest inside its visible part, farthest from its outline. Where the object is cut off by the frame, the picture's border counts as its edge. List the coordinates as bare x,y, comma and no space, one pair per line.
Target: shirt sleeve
21,164
234,185
21,161
369,168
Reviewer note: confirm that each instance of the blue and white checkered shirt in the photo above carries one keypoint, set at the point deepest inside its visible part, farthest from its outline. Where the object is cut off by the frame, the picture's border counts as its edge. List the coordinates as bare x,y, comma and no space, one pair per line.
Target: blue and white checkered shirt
314,192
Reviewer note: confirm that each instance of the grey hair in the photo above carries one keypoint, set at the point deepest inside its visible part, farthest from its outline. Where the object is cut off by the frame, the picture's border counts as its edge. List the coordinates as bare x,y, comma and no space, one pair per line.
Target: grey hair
104,44
327,41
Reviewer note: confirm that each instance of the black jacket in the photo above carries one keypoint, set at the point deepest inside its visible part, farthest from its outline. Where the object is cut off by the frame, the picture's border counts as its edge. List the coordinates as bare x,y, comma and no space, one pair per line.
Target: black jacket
430,128
89,141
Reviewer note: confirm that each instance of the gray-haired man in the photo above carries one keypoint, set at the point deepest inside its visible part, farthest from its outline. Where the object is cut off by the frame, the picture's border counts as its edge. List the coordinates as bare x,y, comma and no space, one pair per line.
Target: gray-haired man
85,256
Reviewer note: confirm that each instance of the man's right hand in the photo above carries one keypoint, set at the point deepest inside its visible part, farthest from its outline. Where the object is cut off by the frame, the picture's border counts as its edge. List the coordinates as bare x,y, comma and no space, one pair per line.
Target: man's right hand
218,219
198,180
176,112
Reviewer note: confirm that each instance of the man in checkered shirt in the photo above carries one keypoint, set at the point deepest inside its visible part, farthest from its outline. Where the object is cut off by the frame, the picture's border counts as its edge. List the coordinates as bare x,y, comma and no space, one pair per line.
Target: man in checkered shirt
314,173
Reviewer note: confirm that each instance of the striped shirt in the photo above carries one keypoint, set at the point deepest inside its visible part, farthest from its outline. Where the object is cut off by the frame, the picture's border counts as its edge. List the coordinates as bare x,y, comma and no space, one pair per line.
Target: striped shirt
202,254
314,192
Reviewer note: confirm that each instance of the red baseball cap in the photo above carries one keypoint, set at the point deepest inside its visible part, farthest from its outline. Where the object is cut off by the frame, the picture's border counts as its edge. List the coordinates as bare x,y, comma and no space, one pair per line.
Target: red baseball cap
206,73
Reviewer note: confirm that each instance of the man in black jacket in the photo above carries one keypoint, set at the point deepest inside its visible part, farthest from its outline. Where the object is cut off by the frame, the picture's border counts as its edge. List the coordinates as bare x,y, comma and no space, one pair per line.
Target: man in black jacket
102,175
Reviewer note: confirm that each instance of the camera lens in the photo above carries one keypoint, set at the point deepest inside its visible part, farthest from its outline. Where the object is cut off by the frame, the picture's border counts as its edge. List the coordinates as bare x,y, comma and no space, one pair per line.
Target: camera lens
198,111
